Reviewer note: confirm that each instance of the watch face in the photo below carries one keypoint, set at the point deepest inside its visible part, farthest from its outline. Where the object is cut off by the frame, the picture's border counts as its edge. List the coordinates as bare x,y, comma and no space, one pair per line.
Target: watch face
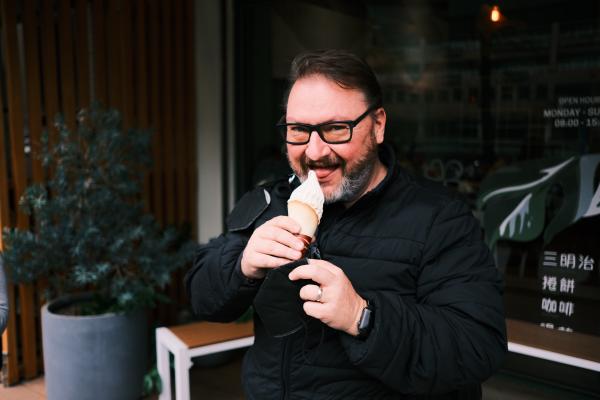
365,322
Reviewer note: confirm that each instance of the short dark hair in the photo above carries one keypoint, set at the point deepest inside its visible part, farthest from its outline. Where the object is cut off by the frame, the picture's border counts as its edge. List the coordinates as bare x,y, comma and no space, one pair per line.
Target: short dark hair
341,66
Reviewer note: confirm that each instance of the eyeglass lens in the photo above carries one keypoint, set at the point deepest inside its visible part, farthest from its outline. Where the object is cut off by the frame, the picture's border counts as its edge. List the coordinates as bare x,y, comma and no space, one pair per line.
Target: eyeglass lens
330,133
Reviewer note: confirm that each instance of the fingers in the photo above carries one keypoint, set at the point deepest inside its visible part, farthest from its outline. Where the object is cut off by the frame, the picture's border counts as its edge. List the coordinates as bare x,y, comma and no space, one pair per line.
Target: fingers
319,311
257,260
332,299
311,293
315,303
268,238
286,223
271,245
259,256
322,272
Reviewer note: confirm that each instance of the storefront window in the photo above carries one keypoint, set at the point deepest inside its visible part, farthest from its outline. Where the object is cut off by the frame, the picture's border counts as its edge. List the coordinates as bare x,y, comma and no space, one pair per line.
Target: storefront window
505,111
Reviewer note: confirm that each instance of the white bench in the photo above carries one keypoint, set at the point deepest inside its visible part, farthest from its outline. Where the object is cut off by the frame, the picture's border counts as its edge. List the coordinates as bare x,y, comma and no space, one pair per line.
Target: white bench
193,340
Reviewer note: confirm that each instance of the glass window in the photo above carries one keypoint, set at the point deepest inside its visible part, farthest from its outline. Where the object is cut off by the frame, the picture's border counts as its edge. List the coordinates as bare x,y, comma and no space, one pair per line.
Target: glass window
542,92
457,94
429,96
516,103
443,96
400,95
507,92
523,93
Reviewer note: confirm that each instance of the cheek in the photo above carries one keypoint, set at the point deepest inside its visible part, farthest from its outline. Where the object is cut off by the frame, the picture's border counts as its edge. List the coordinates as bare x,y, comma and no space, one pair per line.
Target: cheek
347,152
295,153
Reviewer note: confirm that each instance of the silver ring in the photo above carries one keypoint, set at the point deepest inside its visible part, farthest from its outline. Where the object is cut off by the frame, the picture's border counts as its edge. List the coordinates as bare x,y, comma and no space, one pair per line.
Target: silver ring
319,294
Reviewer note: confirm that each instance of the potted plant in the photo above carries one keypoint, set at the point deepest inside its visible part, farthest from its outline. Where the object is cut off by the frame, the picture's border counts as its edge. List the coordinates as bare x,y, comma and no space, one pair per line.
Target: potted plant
104,259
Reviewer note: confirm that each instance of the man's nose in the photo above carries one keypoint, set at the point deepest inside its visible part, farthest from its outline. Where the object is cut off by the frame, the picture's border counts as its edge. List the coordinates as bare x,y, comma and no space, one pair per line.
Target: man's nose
316,147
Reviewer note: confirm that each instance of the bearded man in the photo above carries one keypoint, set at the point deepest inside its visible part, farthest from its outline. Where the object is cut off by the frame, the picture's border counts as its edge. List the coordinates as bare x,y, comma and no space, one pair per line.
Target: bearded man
399,297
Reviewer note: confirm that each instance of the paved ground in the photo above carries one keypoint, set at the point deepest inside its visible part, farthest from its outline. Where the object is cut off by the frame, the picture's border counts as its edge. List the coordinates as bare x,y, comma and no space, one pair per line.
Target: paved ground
223,383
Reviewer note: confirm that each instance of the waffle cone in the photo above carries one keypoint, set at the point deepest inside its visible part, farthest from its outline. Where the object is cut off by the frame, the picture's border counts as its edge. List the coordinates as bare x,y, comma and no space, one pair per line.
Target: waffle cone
304,215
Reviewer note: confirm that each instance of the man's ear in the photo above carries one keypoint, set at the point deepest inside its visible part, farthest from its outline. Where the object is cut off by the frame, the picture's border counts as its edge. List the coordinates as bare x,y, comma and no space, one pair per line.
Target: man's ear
379,127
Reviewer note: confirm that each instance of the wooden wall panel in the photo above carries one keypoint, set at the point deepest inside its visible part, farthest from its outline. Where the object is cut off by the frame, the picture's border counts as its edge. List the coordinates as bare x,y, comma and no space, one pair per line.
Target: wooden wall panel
16,127
83,52
141,62
67,59
100,92
167,126
179,114
126,63
34,90
114,28
35,122
133,55
9,338
156,114
190,114
49,64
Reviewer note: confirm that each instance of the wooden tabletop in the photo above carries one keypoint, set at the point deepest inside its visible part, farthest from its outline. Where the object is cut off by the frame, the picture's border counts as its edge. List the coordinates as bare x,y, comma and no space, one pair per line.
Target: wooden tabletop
573,344
204,333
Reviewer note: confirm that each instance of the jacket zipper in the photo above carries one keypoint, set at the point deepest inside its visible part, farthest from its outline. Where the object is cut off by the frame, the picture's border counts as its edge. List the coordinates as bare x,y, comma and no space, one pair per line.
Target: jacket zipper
322,240
285,368
314,252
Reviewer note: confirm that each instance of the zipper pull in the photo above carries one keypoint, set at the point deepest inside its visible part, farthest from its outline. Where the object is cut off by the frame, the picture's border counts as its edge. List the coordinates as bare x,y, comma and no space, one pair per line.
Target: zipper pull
313,251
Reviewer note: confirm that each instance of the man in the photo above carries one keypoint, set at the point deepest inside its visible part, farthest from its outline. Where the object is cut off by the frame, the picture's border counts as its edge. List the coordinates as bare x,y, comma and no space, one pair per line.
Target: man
405,300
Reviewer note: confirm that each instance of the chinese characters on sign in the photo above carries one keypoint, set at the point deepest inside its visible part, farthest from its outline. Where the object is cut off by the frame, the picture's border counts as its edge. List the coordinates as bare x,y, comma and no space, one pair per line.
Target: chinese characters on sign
558,286
564,307
552,284
568,260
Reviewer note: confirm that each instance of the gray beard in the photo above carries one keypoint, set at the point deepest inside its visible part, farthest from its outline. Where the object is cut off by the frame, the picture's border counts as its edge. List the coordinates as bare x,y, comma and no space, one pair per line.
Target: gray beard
354,182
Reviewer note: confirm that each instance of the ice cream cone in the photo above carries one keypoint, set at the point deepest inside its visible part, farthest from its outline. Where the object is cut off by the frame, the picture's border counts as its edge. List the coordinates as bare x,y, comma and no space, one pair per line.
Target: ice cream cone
304,215
305,206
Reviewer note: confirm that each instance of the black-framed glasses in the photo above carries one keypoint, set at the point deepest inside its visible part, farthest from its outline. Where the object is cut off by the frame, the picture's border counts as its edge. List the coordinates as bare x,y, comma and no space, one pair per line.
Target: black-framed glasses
334,132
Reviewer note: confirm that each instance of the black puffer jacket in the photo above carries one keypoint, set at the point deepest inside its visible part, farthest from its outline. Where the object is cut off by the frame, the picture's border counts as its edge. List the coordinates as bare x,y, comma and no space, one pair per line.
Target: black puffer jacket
416,253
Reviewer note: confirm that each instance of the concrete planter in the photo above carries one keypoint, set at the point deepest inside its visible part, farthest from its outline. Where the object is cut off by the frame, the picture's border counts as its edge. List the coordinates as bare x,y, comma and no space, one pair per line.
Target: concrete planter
93,357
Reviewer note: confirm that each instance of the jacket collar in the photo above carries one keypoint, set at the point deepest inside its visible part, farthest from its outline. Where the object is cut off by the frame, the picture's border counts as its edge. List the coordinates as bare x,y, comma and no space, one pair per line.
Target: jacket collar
387,155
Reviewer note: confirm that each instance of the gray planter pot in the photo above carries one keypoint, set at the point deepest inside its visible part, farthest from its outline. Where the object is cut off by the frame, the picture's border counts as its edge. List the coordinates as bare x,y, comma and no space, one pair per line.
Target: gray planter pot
93,357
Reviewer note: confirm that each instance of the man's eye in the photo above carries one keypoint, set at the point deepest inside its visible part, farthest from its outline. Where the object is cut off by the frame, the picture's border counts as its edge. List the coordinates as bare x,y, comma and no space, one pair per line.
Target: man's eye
298,129
335,129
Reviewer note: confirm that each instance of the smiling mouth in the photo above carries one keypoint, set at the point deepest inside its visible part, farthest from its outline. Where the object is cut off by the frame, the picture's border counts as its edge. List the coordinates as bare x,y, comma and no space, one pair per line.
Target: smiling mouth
324,168
324,172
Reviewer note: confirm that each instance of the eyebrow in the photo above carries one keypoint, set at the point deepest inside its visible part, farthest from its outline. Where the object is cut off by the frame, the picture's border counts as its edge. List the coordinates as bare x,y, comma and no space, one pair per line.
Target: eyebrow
319,123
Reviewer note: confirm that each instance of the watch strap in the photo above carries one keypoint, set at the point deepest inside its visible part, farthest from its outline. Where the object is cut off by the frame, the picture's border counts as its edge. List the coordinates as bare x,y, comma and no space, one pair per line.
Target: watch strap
365,322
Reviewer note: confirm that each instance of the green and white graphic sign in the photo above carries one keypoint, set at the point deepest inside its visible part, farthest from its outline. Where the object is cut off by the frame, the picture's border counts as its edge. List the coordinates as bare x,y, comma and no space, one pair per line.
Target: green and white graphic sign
517,201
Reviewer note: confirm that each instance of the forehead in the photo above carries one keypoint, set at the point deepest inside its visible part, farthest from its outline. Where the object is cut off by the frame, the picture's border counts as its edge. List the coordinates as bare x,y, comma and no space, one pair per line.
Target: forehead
315,99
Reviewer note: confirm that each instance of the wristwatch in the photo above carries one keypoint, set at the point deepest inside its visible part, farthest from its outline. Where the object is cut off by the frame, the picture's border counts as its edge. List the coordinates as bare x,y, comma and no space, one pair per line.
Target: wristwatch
365,322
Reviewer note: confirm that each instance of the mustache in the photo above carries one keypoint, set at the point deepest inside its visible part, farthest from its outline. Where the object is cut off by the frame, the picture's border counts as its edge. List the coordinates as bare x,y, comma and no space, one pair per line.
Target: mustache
328,162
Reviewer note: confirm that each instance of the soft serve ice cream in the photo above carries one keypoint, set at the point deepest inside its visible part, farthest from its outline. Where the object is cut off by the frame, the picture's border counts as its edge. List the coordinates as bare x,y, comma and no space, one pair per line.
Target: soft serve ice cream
305,206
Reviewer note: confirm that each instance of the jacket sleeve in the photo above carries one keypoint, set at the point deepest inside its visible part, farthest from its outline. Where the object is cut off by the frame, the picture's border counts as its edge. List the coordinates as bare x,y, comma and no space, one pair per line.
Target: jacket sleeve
216,287
453,334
